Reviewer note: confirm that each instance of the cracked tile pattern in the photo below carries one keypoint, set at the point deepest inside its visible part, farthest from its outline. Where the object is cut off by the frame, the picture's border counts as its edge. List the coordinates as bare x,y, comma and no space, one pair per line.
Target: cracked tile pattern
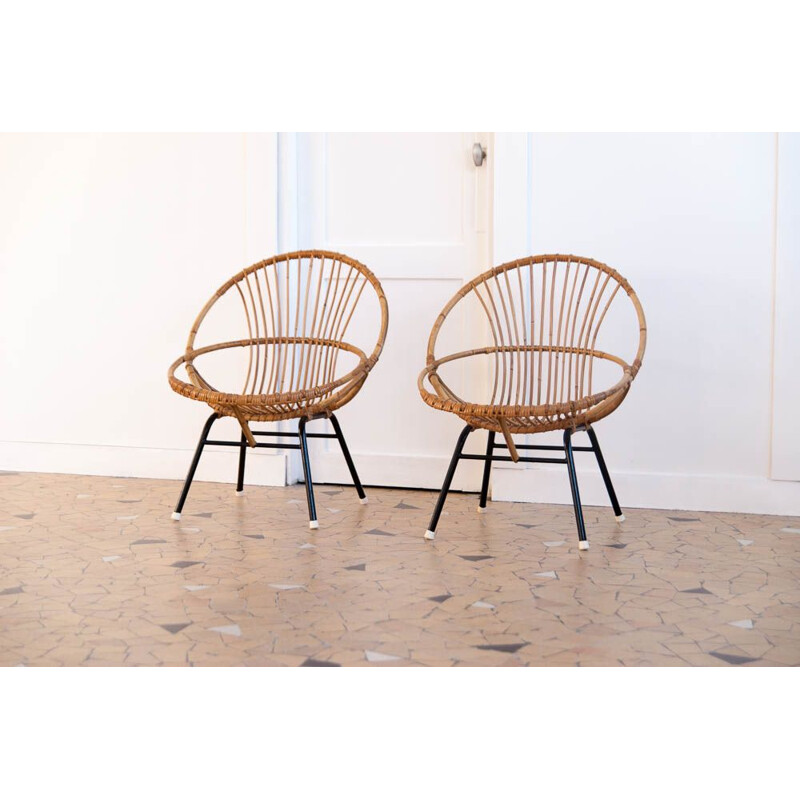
84,583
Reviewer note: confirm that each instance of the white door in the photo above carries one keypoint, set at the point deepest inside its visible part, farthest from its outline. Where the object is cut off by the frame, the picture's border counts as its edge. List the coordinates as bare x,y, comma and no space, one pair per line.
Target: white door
415,209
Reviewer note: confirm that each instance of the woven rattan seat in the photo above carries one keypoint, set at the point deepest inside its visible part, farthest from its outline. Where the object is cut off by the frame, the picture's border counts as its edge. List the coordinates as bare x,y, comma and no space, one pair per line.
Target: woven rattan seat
296,309
544,315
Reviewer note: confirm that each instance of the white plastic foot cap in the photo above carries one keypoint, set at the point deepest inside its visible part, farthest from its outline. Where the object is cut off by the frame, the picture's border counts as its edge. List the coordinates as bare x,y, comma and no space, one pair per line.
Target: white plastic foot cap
313,524
363,500
621,518
238,493
176,515
583,545
481,510
430,535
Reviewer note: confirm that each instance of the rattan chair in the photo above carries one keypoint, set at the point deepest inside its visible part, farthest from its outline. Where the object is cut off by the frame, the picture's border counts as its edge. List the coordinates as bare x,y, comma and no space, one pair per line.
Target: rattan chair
544,314
297,309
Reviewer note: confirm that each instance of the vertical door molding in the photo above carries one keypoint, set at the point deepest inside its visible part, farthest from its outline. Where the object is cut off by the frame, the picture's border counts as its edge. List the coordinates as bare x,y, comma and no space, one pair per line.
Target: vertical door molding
512,235
785,451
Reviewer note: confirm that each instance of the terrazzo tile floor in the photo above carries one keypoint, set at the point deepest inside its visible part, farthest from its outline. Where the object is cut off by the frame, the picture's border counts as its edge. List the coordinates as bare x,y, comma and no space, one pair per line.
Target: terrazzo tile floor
94,572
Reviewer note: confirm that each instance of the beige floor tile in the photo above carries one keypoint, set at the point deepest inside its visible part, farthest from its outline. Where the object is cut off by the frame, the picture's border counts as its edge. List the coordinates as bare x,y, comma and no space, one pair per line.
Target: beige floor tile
656,591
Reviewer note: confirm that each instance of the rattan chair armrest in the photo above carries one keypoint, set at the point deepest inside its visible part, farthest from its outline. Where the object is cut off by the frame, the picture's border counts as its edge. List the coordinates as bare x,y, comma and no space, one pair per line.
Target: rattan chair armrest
446,400
442,389
347,381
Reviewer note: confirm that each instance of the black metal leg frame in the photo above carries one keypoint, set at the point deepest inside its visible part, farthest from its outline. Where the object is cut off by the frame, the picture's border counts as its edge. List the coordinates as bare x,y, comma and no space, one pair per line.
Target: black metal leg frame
567,449
302,446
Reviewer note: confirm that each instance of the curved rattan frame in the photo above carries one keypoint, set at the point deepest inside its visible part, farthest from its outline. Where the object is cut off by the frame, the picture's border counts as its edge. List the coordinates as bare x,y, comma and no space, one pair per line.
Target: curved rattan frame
296,361
513,350
328,316
520,353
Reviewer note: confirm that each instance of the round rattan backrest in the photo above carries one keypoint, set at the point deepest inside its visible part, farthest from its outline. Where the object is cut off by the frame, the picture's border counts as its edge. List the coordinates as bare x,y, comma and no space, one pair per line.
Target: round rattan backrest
544,314
295,312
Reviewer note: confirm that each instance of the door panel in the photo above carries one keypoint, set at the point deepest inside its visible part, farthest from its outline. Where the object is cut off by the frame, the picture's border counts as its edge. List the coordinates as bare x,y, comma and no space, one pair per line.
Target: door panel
394,188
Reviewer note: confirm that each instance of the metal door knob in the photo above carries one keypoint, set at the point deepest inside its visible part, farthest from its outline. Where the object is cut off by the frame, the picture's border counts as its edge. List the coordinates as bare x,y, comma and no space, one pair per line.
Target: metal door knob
478,154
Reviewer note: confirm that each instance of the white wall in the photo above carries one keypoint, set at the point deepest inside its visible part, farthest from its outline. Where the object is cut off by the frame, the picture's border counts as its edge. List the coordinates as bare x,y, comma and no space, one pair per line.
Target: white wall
110,244
109,247
690,221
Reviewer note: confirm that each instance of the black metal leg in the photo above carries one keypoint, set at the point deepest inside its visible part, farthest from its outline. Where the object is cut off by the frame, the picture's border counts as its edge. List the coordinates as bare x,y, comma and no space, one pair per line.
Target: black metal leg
487,470
448,479
312,510
240,476
176,514
583,544
601,462
346,453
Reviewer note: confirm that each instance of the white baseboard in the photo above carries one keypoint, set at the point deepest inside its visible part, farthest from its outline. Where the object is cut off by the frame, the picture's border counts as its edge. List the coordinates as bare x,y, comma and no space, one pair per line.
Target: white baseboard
217,464
738,493
748,494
